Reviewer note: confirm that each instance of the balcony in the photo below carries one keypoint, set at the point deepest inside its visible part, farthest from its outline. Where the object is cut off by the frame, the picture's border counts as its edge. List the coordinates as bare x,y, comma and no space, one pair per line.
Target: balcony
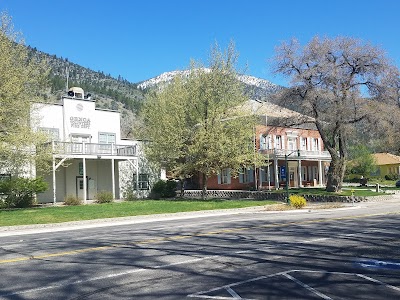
71,148
304,154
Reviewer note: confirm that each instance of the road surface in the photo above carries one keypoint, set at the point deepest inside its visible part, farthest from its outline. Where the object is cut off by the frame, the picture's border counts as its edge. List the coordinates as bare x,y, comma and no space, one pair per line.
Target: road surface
347,253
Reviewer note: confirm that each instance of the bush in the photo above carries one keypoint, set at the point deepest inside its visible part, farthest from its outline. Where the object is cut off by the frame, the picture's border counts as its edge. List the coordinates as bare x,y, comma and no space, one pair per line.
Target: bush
104,197
391,177
297,201
20,192
130,195
164,189
72,200
353,178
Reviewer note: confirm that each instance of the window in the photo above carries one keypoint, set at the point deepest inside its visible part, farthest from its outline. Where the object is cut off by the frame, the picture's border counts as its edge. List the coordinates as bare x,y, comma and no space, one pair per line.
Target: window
315,144
53,133
106,138
303,143
265,142
303,173
292,143
278,142
246,175
4,177
143,181
224,177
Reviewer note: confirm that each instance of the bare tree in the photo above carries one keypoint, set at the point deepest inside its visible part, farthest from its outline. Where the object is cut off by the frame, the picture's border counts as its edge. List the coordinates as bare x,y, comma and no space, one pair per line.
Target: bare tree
338,82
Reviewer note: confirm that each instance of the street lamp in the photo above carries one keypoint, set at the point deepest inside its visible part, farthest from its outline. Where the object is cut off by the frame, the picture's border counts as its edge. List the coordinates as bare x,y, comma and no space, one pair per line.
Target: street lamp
287,173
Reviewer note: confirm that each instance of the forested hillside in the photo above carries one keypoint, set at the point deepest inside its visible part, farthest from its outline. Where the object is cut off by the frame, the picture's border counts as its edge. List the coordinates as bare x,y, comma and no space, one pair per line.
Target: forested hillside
109,92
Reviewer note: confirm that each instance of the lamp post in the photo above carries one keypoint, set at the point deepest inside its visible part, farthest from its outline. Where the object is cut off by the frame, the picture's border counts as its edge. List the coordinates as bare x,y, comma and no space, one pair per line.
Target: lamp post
287,172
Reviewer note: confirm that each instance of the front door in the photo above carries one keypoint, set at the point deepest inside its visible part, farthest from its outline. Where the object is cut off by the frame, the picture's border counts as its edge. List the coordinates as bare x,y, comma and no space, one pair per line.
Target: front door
79,187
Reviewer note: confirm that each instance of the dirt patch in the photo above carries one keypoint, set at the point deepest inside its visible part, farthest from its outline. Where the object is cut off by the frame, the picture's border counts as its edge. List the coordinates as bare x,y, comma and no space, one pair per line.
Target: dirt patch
283,206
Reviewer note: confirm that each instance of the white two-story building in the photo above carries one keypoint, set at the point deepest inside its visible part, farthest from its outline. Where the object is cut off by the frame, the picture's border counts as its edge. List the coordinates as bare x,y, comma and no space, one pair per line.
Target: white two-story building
87,149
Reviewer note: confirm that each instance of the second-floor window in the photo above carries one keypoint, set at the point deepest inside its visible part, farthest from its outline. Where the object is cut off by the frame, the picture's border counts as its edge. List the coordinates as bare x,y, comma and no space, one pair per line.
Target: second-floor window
265,142
292,143
278,142
106,138
315,144
303,143
53,133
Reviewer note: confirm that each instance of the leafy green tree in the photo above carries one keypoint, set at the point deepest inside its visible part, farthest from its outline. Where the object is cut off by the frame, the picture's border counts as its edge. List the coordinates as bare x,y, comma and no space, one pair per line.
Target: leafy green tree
193,124
338,82
362,162
21,82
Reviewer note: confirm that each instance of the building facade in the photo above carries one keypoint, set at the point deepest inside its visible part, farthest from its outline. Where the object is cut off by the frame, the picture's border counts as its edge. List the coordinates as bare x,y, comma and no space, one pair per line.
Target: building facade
88,152
296,152
387,164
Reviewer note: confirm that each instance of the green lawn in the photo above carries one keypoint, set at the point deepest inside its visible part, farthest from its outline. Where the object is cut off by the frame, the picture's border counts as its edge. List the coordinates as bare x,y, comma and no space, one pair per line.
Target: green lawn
60,214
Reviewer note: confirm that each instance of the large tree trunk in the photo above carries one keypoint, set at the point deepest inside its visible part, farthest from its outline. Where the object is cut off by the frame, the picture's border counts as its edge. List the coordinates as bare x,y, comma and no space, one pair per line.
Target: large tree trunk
335,174
204,190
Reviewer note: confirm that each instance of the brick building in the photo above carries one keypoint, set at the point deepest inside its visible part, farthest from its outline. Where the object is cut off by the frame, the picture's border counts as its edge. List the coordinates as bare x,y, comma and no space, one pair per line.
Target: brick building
300,146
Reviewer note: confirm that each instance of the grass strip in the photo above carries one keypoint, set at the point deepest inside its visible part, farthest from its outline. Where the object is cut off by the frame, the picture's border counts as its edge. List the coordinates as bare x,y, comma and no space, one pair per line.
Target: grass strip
59,214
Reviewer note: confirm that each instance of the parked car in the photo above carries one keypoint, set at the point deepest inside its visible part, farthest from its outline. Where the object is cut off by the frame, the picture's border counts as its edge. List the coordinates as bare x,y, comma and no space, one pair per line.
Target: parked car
398,183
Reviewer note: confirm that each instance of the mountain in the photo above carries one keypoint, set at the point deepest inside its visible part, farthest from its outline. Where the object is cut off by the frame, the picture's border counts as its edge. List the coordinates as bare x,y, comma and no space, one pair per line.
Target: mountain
256,88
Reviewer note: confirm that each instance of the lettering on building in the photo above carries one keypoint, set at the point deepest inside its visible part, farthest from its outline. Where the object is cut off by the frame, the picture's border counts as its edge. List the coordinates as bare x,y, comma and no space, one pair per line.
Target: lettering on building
79,122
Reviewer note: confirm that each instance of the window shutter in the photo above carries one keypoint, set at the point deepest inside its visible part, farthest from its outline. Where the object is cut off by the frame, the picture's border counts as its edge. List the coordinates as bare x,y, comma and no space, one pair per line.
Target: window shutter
309,144
241,179
229,176
251,175
283,142
263,175
219,178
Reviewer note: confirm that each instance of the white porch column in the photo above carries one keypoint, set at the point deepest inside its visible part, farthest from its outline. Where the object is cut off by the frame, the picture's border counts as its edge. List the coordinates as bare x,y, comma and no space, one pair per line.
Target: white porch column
320,173
260,178
300,175
54,181
113,177
276,173
84,180
137,176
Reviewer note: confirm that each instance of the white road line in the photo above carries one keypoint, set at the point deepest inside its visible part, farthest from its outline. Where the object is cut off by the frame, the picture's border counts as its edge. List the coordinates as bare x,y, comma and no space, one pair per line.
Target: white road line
380,282
316,240
323,296
233,293
112,275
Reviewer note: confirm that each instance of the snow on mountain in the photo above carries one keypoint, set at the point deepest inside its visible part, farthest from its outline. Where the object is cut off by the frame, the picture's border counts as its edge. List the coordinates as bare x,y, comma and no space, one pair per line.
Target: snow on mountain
161,79
257,87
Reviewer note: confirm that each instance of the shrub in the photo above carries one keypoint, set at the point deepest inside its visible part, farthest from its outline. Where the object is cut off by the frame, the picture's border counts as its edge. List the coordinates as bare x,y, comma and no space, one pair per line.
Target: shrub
130,195
104,197
72,200
391,177
297,201
20,192
164,189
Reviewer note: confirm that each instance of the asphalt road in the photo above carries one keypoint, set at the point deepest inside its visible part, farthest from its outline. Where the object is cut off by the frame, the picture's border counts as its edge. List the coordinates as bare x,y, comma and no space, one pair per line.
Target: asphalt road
347,253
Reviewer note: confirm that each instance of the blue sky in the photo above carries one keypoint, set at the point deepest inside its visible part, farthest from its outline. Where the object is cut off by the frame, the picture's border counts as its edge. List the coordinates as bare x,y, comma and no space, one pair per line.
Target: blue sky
142,39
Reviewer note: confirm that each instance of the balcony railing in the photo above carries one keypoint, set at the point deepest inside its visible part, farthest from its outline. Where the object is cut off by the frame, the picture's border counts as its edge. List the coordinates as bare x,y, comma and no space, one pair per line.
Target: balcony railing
304,154
68,148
